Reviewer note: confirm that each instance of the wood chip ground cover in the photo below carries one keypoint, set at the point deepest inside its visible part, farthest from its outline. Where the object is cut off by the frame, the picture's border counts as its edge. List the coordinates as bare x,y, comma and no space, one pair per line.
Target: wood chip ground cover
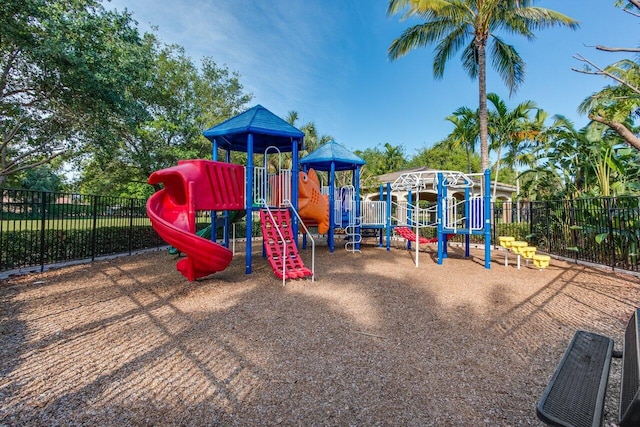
373,341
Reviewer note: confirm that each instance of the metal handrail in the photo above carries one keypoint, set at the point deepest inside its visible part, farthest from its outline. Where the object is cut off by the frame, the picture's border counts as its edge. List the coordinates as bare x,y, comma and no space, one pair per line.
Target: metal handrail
284,242
287,203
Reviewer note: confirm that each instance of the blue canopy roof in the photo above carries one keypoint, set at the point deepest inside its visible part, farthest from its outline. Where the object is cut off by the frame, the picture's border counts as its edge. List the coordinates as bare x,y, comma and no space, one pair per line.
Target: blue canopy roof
332,152
267,130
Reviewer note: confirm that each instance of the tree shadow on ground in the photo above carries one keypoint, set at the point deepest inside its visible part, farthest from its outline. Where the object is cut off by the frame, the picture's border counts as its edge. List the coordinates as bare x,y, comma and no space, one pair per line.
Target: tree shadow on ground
374,340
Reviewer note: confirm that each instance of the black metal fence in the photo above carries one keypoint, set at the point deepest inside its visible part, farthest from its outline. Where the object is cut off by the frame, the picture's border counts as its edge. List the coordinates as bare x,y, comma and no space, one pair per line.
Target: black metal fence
602,230
41,228
38,229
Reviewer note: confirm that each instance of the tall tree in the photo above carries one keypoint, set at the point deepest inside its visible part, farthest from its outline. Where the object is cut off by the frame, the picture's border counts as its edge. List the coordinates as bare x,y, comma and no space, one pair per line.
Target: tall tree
445,156
312,140
617,105
63,67
41,178
379,161
507,128
393,157
557,172
465,132
178,99
577,162
472,25
520,151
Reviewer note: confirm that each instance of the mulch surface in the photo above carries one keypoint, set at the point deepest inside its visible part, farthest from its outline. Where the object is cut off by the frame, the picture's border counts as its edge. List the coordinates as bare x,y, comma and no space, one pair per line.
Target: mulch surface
374,340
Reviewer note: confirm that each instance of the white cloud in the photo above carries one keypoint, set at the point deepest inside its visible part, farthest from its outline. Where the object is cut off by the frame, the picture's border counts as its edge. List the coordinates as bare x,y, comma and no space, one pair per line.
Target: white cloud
282,50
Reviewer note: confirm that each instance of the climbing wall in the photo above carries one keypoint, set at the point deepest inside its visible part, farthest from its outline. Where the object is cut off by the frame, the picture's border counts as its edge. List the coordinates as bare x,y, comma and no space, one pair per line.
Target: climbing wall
278,252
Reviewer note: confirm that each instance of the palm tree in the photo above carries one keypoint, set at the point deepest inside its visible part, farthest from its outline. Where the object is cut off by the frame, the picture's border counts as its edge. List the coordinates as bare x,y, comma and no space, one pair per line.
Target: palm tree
393,158
507,128
581,160
521,149
471,25
615,106
311,138
465,132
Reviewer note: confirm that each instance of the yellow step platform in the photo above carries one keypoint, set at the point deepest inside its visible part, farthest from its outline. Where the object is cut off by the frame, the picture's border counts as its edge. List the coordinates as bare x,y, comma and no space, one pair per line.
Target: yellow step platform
517,246
505,241
541,261
528,251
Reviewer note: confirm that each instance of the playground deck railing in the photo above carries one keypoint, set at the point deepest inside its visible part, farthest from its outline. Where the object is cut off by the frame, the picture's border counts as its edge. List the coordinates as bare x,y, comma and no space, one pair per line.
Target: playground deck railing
373,213
273,188
457,214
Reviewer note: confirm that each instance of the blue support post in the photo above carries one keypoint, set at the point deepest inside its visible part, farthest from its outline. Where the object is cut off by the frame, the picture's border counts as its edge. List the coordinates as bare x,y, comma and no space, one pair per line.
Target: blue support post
304,235
356,184
467,210
487,219
388,216
332,202
295,168
249,201
440,213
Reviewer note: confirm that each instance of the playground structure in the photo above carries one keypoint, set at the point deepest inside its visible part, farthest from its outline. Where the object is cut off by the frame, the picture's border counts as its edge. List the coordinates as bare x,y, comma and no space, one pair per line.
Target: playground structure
222,187
287,200
343,202
468,216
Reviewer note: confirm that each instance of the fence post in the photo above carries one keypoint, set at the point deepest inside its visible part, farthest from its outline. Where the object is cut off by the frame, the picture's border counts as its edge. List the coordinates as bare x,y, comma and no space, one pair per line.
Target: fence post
494,225
531,221
2,247
548,225
94,230
131,207
572,229
43,224
610,225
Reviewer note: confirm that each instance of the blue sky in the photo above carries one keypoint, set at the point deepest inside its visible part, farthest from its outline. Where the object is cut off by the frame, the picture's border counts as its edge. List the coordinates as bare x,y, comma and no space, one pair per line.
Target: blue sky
327,60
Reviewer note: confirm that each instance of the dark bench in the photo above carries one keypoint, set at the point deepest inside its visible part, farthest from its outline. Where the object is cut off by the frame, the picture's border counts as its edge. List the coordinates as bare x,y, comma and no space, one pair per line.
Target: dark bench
576,392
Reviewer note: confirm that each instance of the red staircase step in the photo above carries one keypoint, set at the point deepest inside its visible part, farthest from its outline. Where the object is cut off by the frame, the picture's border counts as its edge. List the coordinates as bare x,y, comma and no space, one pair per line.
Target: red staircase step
274,247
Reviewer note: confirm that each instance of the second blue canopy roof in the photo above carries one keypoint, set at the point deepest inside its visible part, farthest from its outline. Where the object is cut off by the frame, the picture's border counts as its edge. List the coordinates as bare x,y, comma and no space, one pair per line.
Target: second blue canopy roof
332,152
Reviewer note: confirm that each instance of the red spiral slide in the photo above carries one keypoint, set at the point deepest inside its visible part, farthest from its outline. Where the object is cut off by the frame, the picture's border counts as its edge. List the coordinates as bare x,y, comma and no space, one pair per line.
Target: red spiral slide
195,185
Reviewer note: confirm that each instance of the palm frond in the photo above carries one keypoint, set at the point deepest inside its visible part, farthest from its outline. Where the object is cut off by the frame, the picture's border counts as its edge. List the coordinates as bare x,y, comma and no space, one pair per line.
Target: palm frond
412,37
508,63
470,60
538,18
449,46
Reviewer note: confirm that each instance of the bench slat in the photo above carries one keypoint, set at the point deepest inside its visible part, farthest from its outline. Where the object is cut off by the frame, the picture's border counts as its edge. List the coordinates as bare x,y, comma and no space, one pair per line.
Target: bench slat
575,394
630,385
